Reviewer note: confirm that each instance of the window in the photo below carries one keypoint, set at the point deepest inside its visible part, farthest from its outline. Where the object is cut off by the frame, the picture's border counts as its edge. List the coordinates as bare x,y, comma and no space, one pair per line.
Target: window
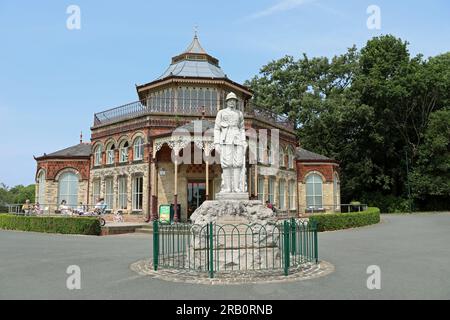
290,158
269,154
314,191
137,195
292,195
336,192
123,153
138,149
190,100
68,188
110,154
260,151
281,195
41,188
271,189
282,157
123,197
95,191
98,156
109,193
261,189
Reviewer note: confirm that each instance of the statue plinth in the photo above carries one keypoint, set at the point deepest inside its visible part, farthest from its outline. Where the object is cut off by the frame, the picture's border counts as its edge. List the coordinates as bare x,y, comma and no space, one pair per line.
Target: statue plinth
245,234
240,196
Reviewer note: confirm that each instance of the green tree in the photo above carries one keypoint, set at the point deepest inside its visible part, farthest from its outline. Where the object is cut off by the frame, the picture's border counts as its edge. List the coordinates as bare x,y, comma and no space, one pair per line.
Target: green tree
17,194
364,108
430,179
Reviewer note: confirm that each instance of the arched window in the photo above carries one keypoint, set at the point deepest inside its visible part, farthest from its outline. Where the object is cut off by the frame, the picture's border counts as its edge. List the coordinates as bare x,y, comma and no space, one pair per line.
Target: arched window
98,155
123,152
68,188
110,153
281,194
314,191
291,158
138,149
41,188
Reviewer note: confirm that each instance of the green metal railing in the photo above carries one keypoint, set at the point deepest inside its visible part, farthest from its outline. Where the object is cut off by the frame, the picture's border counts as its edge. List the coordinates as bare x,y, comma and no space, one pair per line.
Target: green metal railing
214,248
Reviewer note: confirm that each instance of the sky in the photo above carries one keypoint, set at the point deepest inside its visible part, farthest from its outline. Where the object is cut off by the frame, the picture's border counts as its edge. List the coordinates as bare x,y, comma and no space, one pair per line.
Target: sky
54,78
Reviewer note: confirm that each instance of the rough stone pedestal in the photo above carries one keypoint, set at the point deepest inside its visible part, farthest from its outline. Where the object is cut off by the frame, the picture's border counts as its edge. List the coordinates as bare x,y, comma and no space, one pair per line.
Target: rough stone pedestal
245,235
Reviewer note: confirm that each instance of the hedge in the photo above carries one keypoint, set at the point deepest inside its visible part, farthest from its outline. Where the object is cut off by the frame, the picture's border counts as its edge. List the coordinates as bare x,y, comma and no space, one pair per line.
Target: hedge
338,221
63,225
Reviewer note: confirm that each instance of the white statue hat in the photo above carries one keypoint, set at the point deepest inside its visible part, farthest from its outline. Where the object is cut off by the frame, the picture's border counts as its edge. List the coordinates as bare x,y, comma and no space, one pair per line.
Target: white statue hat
230,96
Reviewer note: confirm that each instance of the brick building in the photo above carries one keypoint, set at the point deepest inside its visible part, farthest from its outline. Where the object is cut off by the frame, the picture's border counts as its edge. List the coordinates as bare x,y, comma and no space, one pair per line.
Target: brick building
136,159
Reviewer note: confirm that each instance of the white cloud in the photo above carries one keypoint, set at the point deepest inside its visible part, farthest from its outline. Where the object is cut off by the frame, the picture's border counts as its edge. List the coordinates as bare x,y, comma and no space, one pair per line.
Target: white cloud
283,5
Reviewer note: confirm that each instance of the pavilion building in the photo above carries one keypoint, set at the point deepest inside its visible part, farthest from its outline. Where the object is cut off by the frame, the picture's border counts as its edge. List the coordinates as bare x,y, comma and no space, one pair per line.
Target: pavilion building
130,160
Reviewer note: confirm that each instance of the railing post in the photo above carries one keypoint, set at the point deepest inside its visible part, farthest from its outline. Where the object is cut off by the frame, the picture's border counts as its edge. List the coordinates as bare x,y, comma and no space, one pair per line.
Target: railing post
286,250
211,253
316,246
155,244
293,236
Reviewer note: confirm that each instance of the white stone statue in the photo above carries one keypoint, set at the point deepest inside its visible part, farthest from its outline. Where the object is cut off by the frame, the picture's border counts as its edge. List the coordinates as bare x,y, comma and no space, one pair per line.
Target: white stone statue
229,141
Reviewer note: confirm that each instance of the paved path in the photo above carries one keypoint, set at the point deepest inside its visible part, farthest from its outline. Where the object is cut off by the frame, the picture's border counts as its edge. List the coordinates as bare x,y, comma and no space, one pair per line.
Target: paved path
413,252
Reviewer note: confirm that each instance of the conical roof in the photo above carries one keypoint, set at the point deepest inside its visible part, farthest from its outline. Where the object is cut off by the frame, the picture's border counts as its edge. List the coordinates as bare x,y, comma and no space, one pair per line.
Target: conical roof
194,62
195,47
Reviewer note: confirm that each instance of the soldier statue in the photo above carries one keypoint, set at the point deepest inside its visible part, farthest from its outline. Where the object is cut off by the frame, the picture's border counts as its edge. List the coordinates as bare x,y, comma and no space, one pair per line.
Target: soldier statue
229,141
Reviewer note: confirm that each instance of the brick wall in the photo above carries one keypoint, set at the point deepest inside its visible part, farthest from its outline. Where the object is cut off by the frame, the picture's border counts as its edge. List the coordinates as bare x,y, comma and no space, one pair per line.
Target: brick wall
53,166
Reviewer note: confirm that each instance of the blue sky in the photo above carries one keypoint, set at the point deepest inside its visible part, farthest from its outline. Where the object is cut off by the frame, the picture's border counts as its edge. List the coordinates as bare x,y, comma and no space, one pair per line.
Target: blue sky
52,80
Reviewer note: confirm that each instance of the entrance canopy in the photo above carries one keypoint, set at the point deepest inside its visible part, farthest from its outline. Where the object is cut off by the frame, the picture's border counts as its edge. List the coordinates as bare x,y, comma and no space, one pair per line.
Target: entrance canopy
200,132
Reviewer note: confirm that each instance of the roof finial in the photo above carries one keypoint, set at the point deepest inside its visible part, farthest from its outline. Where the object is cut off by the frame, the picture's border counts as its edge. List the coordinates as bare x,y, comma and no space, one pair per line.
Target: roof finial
196,31
81,137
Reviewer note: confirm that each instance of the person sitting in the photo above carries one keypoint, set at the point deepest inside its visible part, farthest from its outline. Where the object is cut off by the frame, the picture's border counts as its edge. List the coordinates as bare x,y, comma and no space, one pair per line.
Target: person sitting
100,207
80,209
37,208
269,205
64,208
27,207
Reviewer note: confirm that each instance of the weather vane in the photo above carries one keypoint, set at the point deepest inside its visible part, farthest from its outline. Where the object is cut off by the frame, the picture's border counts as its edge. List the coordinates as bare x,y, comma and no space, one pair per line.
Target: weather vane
195,30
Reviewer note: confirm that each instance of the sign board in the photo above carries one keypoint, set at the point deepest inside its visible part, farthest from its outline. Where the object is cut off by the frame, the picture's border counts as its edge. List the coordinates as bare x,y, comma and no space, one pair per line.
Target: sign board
164,213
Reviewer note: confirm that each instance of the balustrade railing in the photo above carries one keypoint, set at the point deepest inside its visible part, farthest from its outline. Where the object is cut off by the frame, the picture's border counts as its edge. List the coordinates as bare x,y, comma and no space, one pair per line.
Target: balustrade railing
176,106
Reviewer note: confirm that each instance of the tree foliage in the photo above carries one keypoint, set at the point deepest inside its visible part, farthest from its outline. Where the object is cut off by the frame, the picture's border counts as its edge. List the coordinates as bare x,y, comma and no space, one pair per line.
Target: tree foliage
370,109
16,195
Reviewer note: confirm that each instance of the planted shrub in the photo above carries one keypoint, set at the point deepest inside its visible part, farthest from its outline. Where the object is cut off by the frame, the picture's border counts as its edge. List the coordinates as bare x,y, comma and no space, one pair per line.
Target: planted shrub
337,221
63,225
